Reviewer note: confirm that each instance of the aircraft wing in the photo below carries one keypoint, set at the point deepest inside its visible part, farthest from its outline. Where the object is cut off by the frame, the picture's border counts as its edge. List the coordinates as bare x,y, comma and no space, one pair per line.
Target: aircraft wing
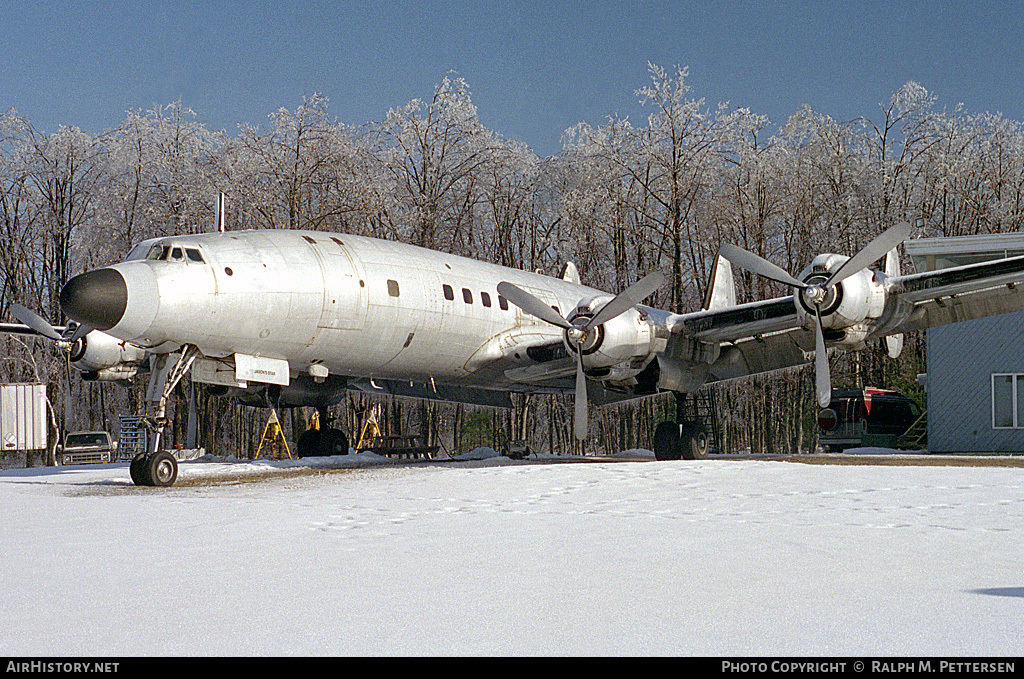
765,336
958,294
16,329
751,338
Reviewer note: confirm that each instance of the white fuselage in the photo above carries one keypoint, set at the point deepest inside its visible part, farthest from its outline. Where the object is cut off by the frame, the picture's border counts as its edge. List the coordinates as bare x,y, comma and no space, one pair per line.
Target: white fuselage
360,307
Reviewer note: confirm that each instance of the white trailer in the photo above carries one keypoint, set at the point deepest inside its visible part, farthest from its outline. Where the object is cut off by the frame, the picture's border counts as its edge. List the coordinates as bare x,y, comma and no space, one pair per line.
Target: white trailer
22,417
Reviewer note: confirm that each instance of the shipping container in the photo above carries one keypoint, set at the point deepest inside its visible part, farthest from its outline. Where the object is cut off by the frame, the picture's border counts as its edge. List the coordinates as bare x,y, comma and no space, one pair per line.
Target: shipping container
22,417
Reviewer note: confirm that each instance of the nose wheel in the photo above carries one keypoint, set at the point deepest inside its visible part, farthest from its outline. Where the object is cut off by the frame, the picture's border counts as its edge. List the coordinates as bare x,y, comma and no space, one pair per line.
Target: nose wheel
159,469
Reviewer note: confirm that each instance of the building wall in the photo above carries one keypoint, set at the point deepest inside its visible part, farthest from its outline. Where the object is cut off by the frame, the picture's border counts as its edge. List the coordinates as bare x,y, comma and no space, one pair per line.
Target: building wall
962,358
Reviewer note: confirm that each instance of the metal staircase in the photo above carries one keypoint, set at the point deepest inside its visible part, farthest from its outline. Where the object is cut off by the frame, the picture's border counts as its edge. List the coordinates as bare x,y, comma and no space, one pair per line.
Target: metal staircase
133,439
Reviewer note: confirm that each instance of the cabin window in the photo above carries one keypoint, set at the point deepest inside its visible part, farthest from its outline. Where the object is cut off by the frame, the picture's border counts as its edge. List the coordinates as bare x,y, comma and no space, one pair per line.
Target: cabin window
194,255
393,288
467,295
503,303
177,255
485,299
449,294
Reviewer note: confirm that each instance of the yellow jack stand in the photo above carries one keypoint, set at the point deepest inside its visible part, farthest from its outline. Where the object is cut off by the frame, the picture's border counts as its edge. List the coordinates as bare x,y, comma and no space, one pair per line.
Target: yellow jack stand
370,429
271,433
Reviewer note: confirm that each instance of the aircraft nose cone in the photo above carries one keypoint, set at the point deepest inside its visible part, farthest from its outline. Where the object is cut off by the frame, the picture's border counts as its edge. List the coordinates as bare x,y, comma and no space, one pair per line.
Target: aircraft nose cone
96,298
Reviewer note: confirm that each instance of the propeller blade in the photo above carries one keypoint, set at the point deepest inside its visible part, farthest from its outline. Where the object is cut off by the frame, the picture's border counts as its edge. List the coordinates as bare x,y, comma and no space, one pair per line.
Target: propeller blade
579,422
532,305
894,345
755,264
69,414
822,378
873,251
36,322
81,331
628,298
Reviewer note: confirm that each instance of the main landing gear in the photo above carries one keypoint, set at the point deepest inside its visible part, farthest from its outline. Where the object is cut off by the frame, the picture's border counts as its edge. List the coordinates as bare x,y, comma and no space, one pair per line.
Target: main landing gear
686,439
320,440
681,441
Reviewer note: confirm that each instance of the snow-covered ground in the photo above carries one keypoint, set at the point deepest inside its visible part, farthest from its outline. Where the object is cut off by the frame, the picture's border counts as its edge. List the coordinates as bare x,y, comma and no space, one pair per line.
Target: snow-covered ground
494,557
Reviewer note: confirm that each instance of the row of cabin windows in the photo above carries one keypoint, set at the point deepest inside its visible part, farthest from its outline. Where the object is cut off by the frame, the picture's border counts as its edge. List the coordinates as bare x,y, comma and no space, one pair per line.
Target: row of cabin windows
467,297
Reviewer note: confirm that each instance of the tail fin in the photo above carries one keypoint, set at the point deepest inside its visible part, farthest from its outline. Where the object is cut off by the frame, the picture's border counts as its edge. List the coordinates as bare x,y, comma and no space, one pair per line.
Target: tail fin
570,273
721,290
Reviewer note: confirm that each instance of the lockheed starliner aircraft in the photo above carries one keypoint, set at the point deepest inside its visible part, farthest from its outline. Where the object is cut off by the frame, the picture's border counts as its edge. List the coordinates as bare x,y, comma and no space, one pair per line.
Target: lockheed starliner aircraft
296,318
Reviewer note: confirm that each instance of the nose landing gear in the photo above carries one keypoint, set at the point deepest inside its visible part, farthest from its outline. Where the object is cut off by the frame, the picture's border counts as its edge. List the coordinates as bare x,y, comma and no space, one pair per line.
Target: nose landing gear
159,467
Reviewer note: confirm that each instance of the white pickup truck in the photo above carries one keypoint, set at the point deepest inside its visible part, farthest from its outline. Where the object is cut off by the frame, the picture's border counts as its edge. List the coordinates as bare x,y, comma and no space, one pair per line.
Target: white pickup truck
86,447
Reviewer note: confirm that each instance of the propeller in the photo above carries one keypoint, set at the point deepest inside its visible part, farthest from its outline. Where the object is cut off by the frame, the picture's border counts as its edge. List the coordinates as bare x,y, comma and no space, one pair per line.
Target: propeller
816,294
43,327
577,333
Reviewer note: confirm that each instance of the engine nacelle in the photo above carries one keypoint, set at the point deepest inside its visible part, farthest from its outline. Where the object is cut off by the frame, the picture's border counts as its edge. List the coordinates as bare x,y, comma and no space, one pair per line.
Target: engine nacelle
100,356
851,308
617,349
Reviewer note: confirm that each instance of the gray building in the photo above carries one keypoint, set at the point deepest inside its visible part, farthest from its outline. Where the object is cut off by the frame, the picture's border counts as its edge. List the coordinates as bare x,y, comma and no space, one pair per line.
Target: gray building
975,379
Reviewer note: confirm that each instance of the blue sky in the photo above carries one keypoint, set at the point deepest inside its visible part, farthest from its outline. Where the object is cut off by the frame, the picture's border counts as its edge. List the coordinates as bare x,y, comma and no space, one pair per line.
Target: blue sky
534,68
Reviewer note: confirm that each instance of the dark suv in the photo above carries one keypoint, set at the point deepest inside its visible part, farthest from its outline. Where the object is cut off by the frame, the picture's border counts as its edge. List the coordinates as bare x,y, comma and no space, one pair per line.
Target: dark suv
866,417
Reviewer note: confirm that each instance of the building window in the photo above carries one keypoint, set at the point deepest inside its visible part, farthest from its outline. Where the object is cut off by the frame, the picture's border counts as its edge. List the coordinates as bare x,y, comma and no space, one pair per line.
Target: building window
1008,401
449,294
393,288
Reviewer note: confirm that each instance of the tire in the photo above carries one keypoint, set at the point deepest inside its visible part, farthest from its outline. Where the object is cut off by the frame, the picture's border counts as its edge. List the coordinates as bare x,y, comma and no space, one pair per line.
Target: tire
695,442
334,442
308,444
138,470
162,469
321,442
667,442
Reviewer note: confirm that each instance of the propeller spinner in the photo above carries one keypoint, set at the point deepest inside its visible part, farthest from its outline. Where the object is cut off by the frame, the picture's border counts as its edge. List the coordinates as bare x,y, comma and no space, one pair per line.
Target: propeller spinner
580,331
818,293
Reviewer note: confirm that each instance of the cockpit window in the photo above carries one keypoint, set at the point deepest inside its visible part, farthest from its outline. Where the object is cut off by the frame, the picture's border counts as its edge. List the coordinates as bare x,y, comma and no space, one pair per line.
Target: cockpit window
163,253
158,252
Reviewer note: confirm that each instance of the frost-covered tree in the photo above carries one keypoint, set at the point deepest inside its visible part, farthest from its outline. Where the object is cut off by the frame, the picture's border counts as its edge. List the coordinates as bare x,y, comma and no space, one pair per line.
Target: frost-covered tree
436,153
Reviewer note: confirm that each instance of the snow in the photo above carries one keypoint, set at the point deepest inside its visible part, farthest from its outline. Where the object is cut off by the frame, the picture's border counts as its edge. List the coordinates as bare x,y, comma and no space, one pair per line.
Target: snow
362,555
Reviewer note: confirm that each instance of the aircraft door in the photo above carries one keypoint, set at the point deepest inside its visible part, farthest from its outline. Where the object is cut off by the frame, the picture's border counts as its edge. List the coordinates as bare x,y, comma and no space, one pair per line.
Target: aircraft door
345,293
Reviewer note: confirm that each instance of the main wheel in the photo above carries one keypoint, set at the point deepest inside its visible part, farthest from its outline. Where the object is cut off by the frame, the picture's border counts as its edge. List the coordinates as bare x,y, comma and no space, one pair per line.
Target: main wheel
694,441
308,444
320,442
667,442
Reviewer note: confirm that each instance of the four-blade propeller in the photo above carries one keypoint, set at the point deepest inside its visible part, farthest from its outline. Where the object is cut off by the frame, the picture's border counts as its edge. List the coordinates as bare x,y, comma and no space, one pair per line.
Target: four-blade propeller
577,333
817,293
